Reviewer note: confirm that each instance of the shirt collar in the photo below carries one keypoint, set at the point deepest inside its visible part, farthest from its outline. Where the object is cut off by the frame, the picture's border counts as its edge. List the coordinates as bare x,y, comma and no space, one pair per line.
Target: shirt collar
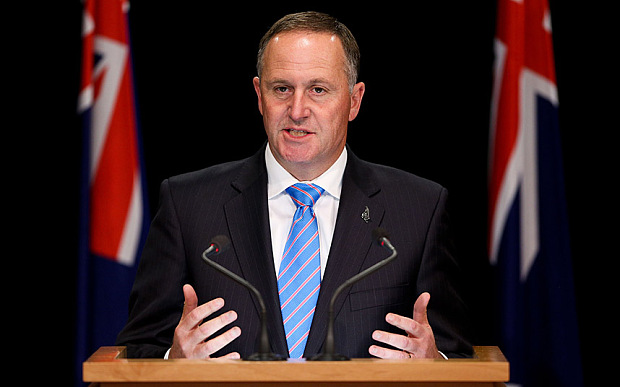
280,179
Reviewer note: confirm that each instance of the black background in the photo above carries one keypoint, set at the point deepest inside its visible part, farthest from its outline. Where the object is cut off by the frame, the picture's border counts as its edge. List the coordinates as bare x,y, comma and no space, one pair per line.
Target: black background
428,74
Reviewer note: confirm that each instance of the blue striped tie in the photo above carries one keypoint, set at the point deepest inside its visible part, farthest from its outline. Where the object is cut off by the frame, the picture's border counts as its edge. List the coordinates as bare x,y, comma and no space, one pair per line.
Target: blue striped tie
299,279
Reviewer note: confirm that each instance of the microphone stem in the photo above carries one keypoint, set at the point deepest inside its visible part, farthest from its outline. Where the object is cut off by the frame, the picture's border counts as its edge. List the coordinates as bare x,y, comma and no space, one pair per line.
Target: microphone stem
264,347
329,351
358,277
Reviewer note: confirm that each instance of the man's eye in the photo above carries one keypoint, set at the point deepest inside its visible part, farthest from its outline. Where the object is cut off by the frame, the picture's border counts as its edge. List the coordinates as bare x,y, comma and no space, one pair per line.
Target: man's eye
318,90
281,89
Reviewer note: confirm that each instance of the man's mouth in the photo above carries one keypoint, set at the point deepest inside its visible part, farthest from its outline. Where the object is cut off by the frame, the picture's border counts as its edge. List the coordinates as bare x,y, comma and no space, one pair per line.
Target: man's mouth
297,132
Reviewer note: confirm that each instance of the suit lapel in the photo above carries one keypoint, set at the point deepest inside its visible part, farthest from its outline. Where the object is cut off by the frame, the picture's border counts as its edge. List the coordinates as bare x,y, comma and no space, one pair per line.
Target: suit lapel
247,215
350,245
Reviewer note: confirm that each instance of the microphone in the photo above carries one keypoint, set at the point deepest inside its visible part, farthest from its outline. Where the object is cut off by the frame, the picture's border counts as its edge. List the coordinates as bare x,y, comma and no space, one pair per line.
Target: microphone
380,236
219,244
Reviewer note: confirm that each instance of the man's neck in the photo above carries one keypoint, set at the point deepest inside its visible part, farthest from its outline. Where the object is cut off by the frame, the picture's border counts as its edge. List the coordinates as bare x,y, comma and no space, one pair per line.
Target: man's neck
305,171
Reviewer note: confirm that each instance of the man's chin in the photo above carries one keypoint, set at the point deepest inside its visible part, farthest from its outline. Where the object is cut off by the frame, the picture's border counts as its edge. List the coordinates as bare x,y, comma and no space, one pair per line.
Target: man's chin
296,152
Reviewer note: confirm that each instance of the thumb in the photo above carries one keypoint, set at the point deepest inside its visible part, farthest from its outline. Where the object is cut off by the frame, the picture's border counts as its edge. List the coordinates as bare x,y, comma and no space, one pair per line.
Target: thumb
191,300
419,308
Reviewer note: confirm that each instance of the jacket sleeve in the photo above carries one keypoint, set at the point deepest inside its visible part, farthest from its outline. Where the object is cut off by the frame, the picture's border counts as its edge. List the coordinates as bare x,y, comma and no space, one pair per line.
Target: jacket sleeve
156,299
440,276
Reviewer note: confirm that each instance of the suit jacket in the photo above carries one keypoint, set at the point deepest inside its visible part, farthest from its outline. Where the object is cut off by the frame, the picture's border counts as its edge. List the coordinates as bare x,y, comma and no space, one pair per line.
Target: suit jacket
231,199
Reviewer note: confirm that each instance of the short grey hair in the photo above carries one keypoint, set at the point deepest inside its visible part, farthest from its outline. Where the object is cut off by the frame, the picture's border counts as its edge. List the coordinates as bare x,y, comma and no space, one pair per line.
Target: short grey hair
319,23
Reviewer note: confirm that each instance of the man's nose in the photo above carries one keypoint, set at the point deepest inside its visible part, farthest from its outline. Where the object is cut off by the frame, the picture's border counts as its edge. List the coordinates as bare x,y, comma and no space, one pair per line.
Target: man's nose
298,109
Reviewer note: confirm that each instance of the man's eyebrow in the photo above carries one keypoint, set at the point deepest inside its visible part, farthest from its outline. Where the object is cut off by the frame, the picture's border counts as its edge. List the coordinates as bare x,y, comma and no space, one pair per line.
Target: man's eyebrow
282,81
276,80
322,81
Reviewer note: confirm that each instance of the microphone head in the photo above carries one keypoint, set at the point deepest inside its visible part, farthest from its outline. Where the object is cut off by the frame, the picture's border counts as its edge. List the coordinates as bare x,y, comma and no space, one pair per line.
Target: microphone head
379,233
221,243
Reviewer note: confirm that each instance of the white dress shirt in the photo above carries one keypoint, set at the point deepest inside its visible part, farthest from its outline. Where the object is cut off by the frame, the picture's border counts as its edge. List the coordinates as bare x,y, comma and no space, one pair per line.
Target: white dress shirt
282,208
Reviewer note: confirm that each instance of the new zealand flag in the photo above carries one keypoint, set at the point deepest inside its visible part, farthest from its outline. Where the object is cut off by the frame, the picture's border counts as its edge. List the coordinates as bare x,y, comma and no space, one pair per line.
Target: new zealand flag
528,225
114,217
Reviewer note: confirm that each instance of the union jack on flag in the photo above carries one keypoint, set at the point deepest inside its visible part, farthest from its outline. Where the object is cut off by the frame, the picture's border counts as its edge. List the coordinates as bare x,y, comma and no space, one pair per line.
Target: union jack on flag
113,208
528,230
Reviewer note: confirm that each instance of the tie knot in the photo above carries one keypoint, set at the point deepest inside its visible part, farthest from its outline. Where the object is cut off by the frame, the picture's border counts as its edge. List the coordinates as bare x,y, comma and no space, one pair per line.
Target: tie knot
304,194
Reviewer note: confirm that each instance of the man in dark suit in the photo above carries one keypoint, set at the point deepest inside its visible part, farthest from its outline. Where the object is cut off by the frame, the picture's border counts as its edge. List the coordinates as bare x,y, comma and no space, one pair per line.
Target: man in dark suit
307,93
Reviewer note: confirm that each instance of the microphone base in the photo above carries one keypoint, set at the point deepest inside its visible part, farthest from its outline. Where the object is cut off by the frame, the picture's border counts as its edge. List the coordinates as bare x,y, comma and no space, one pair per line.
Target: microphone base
269,356
328,357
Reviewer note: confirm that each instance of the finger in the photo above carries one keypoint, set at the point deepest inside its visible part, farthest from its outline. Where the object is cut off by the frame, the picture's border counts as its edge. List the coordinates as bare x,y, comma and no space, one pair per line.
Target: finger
214,325
406,324
191,300
397,341
199,313
232,355
420,308
210,347
385,353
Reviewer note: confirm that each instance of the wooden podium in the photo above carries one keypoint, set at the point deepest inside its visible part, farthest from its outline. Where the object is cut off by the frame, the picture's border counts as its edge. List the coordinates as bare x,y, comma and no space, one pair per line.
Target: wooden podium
109,367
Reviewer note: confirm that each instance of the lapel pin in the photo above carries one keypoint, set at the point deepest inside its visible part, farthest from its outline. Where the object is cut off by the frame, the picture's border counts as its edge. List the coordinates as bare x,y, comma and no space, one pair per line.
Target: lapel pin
366,215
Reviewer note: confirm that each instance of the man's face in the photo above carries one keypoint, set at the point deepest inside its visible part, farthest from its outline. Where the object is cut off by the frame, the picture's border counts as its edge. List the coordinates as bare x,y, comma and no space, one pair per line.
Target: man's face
304,98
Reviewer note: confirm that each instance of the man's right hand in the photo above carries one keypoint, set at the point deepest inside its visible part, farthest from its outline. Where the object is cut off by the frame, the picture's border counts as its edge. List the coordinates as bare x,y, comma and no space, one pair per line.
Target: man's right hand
190,336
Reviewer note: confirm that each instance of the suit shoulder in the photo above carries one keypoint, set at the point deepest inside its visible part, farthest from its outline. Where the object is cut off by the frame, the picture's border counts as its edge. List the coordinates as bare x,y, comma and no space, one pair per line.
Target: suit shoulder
209,175
240,173
394,178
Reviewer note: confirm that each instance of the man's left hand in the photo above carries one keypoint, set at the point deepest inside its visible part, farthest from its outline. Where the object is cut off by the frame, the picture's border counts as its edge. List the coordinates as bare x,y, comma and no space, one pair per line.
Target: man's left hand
419,342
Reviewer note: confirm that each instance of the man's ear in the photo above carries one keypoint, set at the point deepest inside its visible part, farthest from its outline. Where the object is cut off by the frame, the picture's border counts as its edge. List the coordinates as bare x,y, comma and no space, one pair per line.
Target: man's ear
256,82
356,99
